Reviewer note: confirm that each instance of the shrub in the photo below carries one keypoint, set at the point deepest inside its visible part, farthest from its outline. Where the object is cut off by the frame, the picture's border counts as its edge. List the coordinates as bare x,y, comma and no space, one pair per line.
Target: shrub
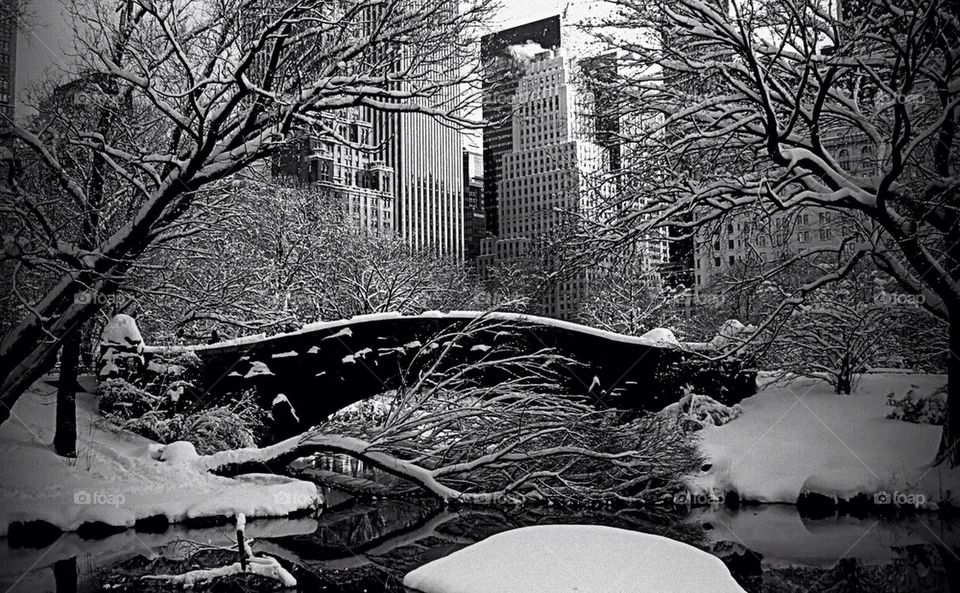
696,411
215,429
918,408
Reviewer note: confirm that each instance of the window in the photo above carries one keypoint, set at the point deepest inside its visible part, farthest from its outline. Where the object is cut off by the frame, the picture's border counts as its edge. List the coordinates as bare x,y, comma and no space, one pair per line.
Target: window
868,159
844,159
731,260
729,243
716,245
803,236
825,234
729,229
716,262
824,217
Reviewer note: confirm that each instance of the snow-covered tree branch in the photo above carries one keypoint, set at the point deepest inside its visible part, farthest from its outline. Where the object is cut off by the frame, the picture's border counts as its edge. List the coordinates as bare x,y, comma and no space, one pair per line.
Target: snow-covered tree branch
175,99
751,110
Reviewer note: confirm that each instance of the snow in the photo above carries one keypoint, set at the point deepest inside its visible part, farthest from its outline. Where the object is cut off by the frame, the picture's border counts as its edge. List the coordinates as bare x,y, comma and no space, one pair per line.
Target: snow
729,333
261,565
122,330
289,354
479,348
801,436
179,452
662,337
119,477
581,558
343,333
257,368
313,350
281,399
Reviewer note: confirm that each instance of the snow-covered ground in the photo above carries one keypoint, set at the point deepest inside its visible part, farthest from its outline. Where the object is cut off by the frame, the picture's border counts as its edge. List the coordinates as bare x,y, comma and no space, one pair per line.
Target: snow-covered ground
804,437
581,558
119,478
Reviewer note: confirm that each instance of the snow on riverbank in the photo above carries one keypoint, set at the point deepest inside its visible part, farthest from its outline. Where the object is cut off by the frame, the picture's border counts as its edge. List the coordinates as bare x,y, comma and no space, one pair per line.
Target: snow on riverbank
117,477
804,437
581,558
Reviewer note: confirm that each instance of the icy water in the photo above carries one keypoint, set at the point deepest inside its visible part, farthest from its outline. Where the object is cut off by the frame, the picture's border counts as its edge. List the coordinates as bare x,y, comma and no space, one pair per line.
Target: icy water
368,546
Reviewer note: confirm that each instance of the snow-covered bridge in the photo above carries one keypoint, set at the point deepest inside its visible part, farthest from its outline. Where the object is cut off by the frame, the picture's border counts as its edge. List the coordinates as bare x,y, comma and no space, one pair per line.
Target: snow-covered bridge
326,366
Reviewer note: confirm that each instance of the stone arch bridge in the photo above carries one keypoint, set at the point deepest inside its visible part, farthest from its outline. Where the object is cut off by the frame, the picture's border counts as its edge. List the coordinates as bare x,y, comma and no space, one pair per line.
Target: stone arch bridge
326,366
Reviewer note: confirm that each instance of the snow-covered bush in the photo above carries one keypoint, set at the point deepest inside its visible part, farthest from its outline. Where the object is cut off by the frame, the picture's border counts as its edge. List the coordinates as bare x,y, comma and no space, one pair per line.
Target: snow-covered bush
121,400
919,408
211,430
373,410
695,411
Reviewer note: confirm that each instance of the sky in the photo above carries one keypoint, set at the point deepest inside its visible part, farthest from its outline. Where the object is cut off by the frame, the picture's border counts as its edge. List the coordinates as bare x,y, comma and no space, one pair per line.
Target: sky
40,50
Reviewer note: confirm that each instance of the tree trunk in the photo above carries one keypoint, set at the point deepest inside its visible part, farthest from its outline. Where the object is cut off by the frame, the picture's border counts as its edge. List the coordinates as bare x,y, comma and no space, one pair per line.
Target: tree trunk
65,439
950,440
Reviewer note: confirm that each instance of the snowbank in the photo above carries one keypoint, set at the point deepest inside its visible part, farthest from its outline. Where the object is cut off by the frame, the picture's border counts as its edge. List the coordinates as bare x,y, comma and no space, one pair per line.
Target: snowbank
663,337
582,558
803,437
119,477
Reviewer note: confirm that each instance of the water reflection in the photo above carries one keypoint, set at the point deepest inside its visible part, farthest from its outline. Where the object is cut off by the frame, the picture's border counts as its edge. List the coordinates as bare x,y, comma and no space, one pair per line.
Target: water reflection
368,543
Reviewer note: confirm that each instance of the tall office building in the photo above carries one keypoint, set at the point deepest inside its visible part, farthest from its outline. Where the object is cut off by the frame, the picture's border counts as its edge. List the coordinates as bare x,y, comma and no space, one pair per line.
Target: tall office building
425,156
544,176
474,221
505,55
8,58
350,172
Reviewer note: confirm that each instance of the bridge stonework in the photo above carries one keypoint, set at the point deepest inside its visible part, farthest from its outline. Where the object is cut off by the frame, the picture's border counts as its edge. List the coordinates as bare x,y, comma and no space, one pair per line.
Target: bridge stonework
327,366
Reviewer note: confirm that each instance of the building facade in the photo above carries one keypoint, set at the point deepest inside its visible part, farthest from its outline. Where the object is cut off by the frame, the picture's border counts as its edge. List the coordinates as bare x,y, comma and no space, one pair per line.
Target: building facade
505,55
474,219
8,58
426,158
349,171
751,241
543,178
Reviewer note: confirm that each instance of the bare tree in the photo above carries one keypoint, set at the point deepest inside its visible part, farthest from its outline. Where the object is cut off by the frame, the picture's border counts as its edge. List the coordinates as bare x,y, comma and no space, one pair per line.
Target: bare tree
515,439
203,91
627,298
746,107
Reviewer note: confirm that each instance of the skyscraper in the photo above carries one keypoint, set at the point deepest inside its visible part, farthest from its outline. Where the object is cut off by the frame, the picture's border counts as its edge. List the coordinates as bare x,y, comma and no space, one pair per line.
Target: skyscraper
425,156
350,172
543,177
504,56
474,223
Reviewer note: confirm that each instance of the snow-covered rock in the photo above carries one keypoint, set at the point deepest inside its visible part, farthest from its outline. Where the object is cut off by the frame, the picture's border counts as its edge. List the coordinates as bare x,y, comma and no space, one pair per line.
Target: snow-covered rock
179,452
581,558
662,336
